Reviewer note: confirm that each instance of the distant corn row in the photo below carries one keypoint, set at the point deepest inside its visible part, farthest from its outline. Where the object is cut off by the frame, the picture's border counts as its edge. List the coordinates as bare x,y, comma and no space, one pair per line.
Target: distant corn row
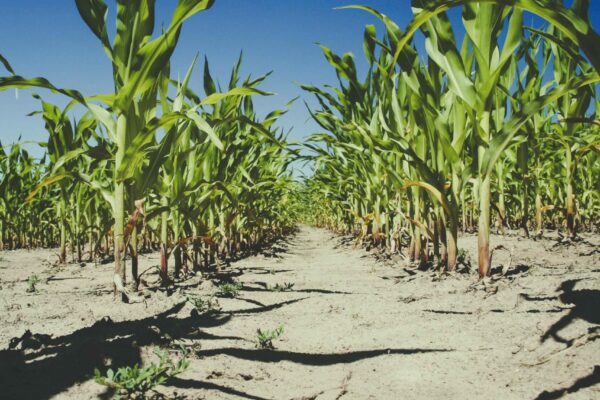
152,165
503,126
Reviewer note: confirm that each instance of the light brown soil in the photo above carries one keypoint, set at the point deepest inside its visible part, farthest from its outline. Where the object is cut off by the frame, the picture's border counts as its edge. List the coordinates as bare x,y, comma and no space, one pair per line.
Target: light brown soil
354,328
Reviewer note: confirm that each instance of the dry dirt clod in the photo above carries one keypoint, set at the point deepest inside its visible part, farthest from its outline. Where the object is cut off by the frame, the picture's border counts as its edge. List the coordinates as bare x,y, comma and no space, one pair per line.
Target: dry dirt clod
246,377
214,375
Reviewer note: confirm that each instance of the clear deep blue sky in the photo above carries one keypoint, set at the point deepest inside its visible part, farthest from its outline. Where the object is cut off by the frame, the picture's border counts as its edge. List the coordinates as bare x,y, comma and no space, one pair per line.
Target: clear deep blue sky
48,38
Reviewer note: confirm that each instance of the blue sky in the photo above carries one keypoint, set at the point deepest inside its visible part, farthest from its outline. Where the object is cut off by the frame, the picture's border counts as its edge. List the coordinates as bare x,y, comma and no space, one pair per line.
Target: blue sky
48,38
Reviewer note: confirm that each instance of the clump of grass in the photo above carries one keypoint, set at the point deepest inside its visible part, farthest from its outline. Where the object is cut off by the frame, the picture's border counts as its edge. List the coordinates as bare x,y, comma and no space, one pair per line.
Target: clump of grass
31,282
264,338
287,286
203,304
229,289
134,382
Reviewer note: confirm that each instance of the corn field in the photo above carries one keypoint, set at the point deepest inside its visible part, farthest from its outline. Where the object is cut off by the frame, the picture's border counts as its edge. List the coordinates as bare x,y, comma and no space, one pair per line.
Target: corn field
470,135
198,178
474,125
489,131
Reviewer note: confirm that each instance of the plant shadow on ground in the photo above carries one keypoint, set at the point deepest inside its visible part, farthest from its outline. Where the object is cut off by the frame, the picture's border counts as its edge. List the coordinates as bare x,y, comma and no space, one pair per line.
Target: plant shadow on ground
518,269
269,248
275,251
264,287
581,383
313,359
38,366
221,274
345,242
229,275
586,303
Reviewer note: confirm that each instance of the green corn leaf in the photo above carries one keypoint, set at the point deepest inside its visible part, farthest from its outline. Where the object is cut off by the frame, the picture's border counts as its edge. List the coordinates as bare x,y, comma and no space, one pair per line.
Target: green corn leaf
6,64
512,127
94,14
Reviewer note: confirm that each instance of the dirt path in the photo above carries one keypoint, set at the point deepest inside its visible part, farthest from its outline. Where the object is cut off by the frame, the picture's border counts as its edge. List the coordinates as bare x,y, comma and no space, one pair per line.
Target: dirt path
354,328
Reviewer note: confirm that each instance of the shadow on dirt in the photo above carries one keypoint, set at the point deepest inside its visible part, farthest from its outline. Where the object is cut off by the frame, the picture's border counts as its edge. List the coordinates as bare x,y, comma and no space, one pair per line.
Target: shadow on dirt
265,271
38,366
264,288
314,359
265,308
581,383
345,241
451,312
276,248
517,270
586,303
193,384
274,251
269,247
229,275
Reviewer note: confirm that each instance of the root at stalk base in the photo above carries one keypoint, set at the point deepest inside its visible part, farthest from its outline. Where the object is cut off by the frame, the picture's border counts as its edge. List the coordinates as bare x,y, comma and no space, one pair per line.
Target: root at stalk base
126,296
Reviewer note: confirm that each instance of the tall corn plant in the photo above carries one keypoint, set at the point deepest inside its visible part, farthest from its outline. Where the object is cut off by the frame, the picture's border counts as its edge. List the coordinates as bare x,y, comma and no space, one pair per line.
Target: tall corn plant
18,171
65,138
571,109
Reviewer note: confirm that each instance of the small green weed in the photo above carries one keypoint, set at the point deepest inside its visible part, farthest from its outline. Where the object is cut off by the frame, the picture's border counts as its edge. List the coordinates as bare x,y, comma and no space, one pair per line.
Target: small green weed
265,337
31,282
203,304
229,289
287,286
134,382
